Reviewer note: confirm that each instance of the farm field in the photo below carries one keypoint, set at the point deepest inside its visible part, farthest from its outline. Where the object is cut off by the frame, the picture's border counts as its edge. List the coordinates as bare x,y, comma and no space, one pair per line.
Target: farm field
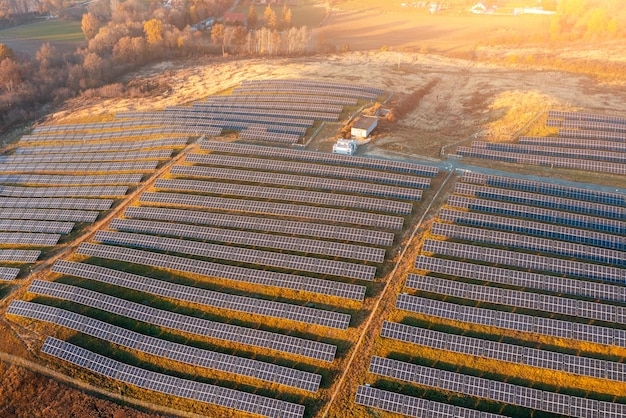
64,35
233,275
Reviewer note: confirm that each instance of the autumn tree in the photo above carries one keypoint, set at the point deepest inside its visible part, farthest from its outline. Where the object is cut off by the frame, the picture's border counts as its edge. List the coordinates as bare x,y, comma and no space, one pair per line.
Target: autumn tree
285,17
153,29
252,19
218,35
6,52
90,25
271,21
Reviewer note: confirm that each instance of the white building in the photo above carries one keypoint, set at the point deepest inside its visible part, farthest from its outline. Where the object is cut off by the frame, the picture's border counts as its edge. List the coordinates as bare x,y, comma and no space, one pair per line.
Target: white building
364,126
344,146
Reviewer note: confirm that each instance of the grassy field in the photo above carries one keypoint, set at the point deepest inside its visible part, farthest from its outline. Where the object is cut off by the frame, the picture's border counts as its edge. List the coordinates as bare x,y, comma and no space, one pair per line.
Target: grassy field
47,30
304,14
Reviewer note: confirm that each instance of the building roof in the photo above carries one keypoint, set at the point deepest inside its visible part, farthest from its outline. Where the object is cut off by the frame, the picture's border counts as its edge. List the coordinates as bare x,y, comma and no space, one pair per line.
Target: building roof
365,122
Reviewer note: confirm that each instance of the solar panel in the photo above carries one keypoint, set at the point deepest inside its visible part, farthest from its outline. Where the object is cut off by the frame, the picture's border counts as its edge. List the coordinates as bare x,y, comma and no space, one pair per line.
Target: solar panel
68,180
312,169
154,381
204,297
79,167
284,209
254,239
321,157
530,151
203,327
338,233
244,255
298,181
174,351
258,277
8,273
19,256
26,238
237,105
586,116
56,203
19,225
71,191
49,214
124,146
89,157
277,193
573,143
312,83
288,98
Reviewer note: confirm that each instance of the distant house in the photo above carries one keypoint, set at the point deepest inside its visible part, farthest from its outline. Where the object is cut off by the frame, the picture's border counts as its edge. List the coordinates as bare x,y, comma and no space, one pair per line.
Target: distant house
235,18
364,126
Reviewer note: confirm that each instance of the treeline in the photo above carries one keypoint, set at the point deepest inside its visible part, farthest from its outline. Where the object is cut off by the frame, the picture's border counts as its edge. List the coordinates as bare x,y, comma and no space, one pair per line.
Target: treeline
123,36
589,19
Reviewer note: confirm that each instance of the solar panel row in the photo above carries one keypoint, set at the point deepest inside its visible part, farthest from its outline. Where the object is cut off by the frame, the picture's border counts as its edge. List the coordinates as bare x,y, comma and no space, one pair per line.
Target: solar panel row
320,157
78,180
189,324
587,154
522,279
577,193
8,273
312,169
49,215
380,190
591,134
282,113
588,125
96,126
287,98
66,191
414,407
495,390
583,236
199,113
167,349
535,244
513,321
557,114
317,91
517,298
505,352
561,162
51,227
269,136
123,146
540,214
19,256
253,239
182,130
573,143
55,203
277,193
88,157
300,211
339,233
26,238
526,261
240,274
204,297
312,83
235,105
551,202
170,385
79,167
243,255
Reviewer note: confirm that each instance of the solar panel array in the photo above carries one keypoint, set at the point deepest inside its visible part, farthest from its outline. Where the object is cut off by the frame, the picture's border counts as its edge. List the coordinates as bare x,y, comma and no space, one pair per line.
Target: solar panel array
317,91
540,214
312,83
203,297
65,179
287,209
8,274
281,98
178,352
276,193
510,353
335,232
53,227
98,147
414,407
517,298
49,215
202,392
599,239
281,113
253,239
96,126
495,390
300,181
26,238
55,203
189,324
66,191
311,169
182,130
522,279
79,167
236,105
320,157
88,157
19,256
224,271
583,143
243,255
535,244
